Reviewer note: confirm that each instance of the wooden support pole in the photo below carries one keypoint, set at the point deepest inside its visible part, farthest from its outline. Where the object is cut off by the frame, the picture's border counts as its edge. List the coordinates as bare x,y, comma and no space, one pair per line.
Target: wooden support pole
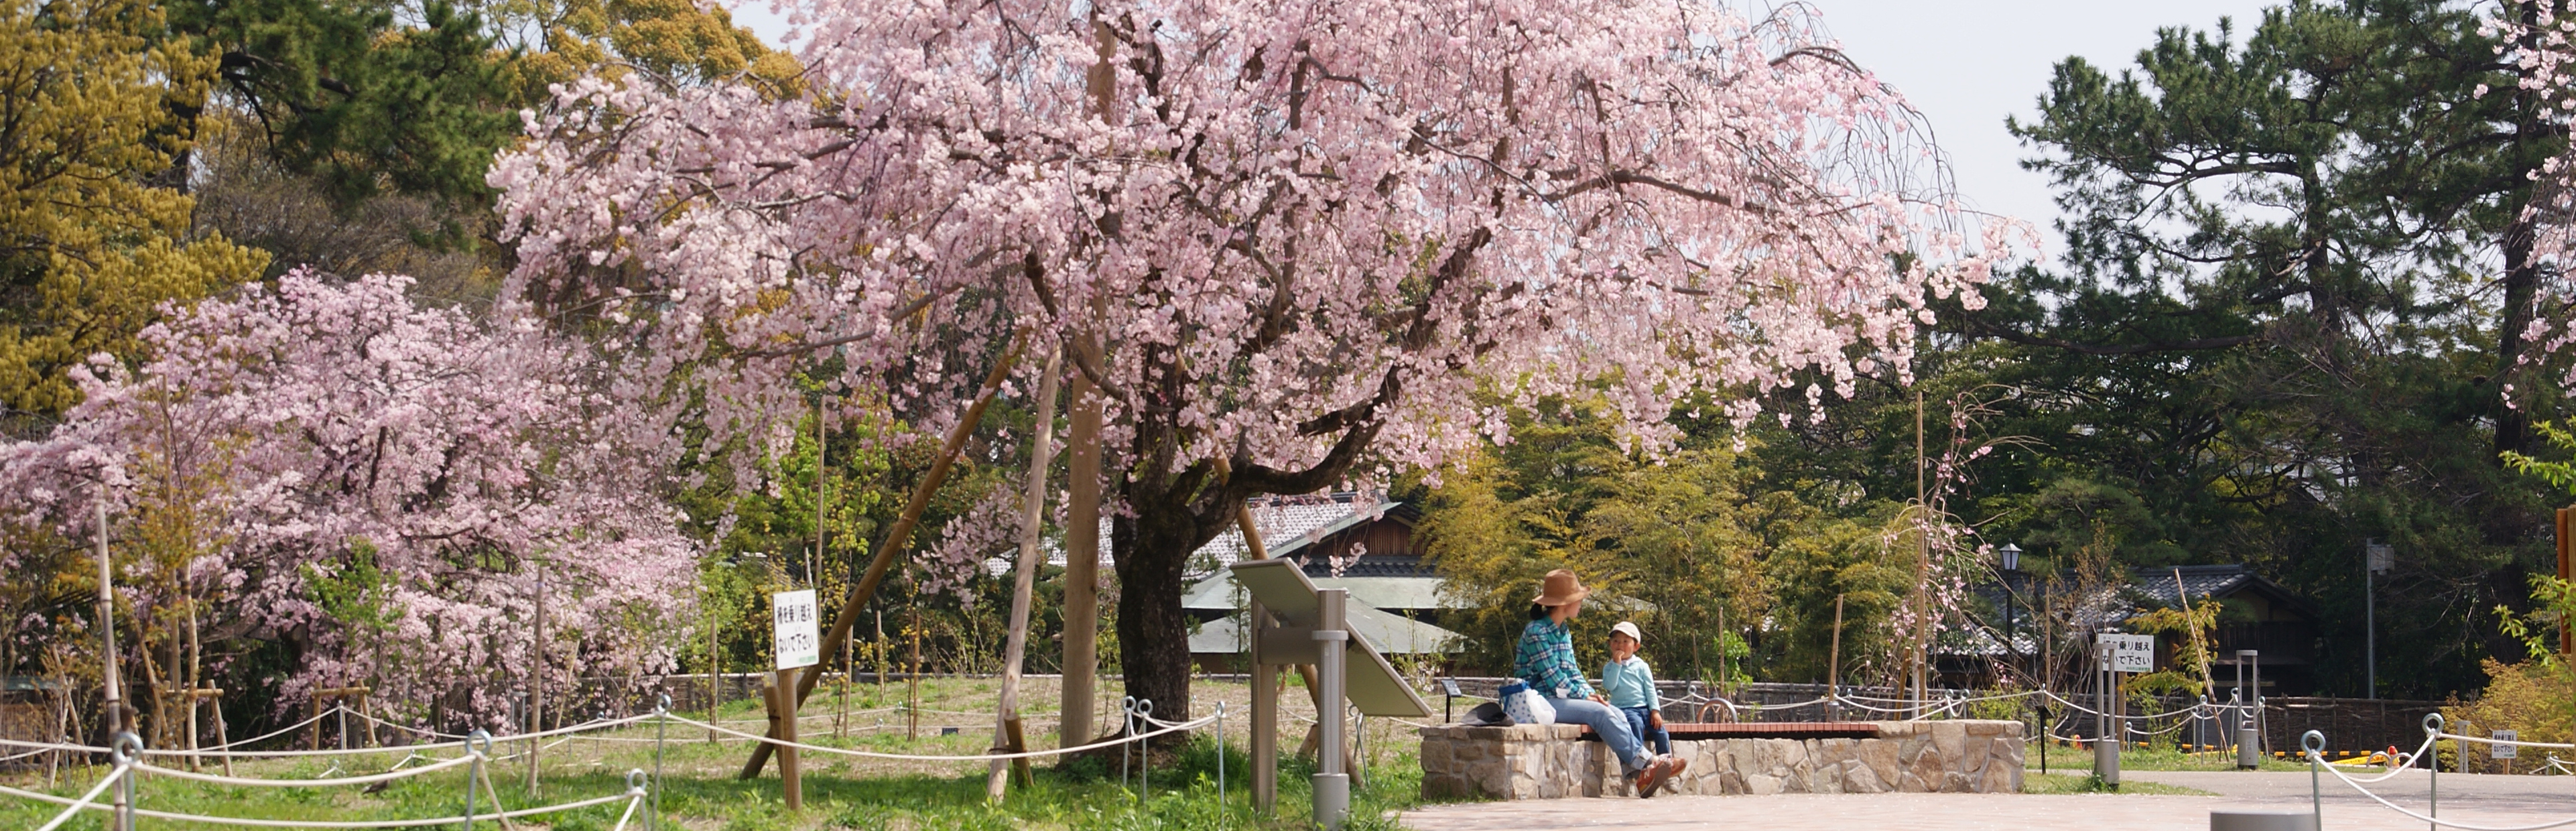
1834,662
1006,722
210,697
2566,571
782,726
898,537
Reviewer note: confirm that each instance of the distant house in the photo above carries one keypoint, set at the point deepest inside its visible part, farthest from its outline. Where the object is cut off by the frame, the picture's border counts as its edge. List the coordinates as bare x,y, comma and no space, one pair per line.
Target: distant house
2256,614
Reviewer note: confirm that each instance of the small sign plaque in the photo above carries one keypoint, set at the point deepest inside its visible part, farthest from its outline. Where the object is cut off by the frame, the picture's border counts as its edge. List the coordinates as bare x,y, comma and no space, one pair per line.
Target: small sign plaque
2129,653
2504,751
799,639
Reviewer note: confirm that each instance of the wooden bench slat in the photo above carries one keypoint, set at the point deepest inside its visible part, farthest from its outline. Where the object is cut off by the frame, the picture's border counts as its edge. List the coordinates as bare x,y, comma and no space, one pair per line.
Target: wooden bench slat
1763,730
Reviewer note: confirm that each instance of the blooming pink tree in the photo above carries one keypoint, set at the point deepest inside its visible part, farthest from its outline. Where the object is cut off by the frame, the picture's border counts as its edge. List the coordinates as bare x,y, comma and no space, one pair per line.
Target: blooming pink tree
395,481
1316,239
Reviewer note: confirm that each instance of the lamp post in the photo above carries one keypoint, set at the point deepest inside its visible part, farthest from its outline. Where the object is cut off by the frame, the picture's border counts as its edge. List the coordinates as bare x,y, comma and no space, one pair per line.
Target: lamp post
2381,557
2009,557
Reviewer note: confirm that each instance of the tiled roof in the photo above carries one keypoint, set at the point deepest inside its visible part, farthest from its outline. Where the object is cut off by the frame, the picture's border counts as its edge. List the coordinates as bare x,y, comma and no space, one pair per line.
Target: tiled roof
1289,526
2153,587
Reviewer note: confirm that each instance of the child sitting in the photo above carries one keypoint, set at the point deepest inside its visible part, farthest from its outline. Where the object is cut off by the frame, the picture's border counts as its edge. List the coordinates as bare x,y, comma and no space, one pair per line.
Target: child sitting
1630,685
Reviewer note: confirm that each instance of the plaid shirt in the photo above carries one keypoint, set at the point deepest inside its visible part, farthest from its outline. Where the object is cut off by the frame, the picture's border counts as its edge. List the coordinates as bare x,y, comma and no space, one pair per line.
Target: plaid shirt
1545,659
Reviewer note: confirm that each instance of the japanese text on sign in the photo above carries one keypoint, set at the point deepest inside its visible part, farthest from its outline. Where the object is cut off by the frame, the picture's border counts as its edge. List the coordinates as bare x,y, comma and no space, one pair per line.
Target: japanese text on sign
2129,653
799,643
2503,751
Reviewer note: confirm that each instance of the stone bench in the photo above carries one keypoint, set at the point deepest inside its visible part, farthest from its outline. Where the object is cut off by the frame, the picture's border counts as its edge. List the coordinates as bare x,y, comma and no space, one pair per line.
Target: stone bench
1561,760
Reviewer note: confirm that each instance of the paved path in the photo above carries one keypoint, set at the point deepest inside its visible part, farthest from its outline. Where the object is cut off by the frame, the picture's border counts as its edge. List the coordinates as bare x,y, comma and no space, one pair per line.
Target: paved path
2480,800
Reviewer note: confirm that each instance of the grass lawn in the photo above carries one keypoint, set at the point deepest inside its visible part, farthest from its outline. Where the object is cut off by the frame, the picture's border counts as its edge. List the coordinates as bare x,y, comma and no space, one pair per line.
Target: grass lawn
2062,758
2065,783
840,792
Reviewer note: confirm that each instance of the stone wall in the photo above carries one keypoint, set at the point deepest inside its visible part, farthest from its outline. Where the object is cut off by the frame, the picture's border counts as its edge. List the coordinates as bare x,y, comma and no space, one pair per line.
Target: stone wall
1550,762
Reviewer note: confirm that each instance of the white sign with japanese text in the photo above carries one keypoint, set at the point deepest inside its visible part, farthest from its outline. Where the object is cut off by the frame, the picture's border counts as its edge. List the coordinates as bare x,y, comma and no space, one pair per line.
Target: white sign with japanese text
2504,751
2129,653
799,641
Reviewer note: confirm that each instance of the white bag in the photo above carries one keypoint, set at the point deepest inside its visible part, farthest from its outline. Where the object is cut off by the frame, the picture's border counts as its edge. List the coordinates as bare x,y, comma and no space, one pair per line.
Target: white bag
1525,706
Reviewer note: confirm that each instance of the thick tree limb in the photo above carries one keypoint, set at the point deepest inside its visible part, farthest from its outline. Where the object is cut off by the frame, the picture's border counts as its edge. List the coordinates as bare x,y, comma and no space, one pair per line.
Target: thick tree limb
895,539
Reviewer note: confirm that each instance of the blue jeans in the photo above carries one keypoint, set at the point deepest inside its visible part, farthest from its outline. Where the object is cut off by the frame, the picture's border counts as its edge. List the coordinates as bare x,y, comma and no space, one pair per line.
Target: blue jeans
1611,725
1655,736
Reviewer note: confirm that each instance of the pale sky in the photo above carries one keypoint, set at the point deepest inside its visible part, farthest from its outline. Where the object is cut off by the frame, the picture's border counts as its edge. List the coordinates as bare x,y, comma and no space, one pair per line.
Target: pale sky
1965,64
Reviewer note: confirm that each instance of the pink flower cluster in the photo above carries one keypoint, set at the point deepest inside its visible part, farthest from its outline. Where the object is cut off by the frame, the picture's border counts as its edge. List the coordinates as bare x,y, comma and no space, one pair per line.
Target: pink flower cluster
1256,223
351,429
2538,40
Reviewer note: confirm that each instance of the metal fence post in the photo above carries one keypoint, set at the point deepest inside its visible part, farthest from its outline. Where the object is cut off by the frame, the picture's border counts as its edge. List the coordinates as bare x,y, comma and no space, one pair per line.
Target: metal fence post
2433,768
1144,750
475,773
2315,744
661,736
126,749
1220,758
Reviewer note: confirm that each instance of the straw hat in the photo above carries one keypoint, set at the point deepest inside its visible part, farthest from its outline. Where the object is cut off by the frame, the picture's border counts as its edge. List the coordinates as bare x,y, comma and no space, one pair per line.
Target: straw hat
1560,588
1630,630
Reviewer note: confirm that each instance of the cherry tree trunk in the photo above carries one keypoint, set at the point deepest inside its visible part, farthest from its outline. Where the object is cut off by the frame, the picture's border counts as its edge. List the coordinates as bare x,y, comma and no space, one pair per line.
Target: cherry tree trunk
1152,551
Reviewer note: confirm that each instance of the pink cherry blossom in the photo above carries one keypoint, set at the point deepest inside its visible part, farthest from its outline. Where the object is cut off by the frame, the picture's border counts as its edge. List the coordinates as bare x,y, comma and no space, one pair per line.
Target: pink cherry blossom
342,419
1321,238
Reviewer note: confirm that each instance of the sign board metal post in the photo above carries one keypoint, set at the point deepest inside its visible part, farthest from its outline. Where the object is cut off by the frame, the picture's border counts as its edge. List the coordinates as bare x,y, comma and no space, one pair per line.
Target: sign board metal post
1294,623
798,643
2106,729
2249,731
2505,753
1332,783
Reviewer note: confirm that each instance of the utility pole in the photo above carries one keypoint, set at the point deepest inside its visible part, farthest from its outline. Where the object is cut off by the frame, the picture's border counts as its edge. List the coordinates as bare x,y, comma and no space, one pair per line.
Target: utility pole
2380,557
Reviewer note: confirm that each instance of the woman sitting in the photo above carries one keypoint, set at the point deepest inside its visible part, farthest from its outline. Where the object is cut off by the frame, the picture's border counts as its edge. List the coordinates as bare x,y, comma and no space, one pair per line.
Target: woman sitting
1545,660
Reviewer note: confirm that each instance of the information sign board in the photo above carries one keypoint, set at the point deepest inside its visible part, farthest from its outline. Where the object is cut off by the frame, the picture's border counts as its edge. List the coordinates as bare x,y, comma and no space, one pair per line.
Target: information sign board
799,641
2129,653
2504,751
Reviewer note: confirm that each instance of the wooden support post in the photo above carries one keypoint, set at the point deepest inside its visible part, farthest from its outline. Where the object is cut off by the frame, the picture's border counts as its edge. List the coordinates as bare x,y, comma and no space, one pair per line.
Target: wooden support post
782,726
899,536
1006,722
2566,571
202,698
912,680
334,695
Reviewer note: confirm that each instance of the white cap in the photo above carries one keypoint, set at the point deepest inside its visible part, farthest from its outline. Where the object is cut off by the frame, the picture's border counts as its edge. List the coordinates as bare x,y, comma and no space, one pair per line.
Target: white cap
1630,630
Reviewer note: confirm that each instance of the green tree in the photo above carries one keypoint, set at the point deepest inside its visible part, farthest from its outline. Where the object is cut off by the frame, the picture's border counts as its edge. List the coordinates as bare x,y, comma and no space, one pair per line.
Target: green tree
2280,327
92,237
1688,545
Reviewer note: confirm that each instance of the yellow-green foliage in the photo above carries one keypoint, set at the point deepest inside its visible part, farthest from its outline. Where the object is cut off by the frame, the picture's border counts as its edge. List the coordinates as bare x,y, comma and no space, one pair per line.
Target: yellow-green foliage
2531,697
676,39
2189,630
91,239
1687,545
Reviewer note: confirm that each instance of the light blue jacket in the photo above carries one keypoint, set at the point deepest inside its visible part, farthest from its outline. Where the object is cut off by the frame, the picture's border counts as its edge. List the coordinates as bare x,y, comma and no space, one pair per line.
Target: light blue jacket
1630,683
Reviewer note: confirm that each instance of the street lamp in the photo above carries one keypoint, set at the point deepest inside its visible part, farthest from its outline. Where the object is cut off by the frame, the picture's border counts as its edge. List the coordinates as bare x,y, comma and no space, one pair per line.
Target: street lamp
2381,557
2009,556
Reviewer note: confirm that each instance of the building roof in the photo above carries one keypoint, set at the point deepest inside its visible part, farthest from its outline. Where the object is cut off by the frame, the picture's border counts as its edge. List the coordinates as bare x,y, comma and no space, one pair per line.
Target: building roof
1390,634
1290,526
2152,587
